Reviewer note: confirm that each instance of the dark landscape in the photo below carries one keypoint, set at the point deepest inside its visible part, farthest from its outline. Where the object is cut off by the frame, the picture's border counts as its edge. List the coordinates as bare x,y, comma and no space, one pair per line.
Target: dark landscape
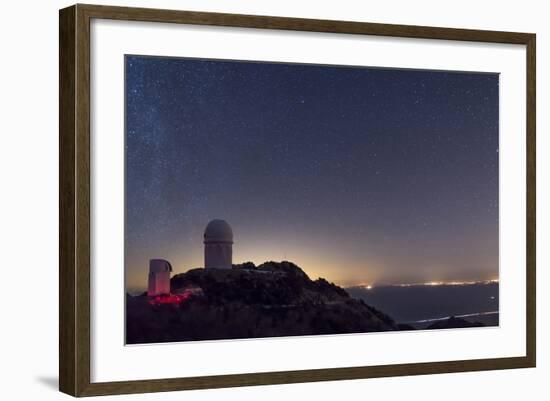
270,300
424,304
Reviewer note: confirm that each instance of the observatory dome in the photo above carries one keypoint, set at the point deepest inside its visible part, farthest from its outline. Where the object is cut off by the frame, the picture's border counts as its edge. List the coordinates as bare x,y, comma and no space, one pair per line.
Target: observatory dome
218,231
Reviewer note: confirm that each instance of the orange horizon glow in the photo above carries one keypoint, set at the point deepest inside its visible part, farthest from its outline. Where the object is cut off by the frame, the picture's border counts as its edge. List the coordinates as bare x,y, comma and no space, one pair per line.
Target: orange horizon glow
138,281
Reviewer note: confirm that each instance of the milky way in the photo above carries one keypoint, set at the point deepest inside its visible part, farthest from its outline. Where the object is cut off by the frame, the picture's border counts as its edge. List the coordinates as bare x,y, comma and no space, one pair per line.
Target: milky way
356,174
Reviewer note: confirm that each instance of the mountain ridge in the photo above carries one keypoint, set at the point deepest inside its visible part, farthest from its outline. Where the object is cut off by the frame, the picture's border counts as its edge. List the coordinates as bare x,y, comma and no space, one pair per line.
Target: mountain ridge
248,301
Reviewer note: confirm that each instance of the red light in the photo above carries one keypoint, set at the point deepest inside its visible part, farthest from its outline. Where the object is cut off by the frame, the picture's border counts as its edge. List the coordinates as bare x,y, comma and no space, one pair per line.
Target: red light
173,299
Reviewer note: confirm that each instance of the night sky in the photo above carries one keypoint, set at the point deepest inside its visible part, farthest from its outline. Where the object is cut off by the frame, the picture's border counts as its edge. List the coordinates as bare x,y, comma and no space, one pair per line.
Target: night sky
358,175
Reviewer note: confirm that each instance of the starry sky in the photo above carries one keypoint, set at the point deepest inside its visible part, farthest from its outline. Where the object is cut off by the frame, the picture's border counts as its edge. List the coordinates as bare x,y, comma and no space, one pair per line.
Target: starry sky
358,175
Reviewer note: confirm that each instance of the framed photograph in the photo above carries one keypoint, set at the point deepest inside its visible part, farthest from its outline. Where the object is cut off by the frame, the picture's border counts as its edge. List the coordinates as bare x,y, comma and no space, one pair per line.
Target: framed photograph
250,200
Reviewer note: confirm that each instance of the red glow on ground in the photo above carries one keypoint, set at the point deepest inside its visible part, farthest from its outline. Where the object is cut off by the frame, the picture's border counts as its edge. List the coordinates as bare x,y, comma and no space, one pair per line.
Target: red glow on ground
172,299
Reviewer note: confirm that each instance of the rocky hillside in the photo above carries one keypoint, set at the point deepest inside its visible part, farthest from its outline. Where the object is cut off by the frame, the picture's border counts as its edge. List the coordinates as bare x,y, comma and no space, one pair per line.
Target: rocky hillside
247,301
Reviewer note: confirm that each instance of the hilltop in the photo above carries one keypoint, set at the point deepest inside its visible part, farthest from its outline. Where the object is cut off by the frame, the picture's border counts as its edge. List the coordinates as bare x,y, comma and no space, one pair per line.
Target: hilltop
247,301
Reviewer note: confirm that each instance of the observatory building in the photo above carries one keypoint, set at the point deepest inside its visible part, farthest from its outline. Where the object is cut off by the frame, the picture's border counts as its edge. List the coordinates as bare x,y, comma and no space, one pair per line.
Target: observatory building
159,277
218,245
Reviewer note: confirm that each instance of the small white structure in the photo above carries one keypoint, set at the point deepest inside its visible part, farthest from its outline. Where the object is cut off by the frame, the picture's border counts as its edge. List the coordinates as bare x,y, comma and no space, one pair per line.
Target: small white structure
218,245
159,277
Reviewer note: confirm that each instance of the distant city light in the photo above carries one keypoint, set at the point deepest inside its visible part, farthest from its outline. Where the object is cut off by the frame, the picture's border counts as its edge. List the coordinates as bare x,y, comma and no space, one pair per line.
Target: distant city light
429,283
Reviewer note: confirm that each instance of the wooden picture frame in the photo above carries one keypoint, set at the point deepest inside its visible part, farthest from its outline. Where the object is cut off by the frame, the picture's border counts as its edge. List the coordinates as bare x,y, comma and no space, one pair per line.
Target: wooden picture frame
74,200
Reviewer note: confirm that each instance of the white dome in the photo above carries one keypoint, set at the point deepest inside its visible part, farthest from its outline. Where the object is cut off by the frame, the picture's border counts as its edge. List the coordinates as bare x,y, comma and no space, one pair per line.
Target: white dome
218,231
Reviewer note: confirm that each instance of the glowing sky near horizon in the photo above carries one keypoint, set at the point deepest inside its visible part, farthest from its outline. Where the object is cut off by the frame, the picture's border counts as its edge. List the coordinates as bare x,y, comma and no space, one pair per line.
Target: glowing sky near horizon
357,175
